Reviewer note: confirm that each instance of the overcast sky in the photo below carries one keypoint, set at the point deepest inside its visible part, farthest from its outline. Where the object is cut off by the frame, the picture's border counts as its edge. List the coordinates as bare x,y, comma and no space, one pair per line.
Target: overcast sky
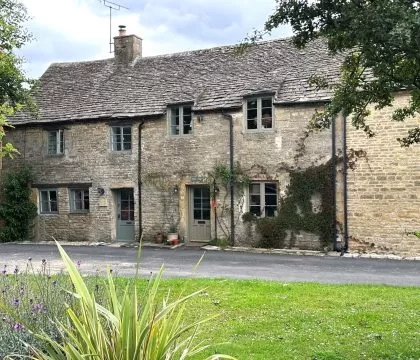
77,30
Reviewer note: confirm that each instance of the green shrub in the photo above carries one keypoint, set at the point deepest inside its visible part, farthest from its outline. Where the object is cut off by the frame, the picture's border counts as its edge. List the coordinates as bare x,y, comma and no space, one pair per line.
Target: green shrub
272,232
17,209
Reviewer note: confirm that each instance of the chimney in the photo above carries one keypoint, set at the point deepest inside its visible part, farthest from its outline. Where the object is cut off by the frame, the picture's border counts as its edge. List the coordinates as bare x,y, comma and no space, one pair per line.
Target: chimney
126,47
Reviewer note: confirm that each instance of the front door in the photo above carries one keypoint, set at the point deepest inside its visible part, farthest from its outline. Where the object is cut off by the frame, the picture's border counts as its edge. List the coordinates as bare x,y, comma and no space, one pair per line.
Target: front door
125,215
199,214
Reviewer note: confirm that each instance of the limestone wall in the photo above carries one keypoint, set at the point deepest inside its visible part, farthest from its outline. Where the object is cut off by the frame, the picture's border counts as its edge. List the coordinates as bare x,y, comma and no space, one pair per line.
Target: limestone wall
384,187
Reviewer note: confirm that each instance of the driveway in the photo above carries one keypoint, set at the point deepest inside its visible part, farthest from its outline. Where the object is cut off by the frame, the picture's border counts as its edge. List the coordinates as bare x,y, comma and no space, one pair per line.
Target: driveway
218,264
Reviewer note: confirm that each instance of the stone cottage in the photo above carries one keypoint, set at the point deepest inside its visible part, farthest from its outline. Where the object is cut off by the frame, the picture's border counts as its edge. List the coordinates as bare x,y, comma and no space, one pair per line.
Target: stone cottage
135,144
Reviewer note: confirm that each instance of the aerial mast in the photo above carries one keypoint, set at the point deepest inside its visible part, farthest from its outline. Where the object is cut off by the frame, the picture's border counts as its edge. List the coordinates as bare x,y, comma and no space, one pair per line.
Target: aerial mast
112,6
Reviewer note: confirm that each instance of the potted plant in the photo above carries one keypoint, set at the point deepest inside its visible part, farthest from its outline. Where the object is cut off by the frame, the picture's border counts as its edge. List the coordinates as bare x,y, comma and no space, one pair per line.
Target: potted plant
172,235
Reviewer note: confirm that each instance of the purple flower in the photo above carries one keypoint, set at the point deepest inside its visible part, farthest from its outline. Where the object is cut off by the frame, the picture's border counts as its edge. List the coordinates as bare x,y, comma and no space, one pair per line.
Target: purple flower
16,271
54,283
18,327
16,302
39,308
22,291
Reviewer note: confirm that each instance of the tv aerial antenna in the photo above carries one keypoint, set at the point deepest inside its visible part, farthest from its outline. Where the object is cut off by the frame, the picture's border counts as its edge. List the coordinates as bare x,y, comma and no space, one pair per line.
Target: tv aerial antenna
112,6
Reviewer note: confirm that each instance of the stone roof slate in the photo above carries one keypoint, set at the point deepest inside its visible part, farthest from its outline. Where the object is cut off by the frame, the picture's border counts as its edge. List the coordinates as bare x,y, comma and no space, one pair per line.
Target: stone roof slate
216,78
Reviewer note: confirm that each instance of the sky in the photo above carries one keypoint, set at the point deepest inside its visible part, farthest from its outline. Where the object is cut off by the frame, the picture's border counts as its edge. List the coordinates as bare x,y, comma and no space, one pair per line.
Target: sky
78,30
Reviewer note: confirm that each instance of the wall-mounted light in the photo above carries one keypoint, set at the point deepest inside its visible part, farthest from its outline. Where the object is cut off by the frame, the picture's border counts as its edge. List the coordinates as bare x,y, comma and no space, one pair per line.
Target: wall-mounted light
101,191
175,190
216,189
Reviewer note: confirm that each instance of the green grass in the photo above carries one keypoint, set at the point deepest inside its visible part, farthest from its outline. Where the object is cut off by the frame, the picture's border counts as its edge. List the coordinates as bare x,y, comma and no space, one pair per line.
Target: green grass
258,319
271,320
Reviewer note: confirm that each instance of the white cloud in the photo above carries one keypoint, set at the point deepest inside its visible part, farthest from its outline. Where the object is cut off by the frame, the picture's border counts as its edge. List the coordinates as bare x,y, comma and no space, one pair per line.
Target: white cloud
75,30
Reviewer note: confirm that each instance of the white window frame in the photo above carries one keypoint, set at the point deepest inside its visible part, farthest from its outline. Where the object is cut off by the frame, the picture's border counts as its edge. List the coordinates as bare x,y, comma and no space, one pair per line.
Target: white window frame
118,139
260,111
56,148
48,202
73,201
262,195
179,127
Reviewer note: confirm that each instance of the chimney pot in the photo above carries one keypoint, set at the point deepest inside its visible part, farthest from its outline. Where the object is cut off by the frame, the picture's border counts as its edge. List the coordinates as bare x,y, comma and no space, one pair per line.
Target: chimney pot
121,30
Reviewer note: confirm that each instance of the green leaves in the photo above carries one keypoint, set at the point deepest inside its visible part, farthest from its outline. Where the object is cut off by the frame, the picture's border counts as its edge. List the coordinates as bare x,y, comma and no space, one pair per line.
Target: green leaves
15,88
381,43
127,329
17,209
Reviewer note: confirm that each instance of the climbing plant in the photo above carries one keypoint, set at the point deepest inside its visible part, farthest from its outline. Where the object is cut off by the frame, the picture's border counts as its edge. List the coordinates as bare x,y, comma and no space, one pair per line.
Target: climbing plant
296,210
17,209
221,177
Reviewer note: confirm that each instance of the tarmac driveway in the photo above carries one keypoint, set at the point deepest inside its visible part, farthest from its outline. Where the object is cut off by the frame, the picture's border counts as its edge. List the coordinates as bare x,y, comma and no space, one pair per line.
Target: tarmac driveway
217,264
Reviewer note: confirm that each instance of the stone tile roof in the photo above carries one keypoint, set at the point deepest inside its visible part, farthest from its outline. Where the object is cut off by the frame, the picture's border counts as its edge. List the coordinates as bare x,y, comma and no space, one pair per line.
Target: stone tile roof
216,78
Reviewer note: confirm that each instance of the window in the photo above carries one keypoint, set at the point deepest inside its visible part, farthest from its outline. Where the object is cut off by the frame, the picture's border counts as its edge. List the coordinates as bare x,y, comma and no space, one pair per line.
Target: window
180,120
79,200
121,138
48,201
56,142
259,113
263,199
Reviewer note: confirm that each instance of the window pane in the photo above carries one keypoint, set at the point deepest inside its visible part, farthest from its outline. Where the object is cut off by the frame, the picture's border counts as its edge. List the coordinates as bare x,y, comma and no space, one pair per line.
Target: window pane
266,103
53,201
270,188
256,210
206,215
61,135
255,200
197,214
252,104
174,121
254,188
52,142
126,138
270,211
86,200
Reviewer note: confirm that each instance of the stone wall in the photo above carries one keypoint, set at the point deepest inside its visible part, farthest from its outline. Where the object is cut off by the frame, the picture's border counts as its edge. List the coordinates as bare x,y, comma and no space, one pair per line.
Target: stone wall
166,161
384,187
87,159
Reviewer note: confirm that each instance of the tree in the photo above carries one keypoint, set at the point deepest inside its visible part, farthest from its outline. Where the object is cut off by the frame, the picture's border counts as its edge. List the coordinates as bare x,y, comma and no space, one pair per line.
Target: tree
15,88
381,43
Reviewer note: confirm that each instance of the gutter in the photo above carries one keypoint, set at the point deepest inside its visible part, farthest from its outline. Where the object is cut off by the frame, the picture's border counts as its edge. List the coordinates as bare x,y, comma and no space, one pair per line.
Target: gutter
232,189
334,180
139,181
346,235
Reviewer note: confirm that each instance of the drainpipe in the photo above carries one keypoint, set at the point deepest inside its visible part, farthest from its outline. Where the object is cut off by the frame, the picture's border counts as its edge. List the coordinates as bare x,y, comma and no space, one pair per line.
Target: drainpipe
346,235
334,180
139,179
232,189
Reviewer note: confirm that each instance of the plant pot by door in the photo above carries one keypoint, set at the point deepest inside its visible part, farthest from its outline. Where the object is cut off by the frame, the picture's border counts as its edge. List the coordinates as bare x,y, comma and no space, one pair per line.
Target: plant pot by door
172,237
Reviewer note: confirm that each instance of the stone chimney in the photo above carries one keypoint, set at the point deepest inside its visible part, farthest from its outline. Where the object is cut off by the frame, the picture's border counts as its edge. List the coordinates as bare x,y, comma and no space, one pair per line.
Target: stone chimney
126,47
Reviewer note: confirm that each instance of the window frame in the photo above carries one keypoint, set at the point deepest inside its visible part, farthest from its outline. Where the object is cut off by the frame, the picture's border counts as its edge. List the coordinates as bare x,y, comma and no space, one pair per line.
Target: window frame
259,109
181,115
262,195
48,201
73,208
113,136
59,142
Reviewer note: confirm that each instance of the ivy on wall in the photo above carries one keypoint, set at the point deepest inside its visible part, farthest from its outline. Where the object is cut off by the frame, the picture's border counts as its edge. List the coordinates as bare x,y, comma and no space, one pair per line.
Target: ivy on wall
296,211
17,209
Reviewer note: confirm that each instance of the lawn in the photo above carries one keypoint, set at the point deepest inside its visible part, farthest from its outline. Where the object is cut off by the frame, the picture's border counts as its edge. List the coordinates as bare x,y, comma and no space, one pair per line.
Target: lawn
257,319
272,320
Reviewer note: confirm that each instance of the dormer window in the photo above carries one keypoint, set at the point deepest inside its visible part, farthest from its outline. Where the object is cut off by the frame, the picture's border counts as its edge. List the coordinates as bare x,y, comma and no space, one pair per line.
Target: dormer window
180,120
259,113
56,142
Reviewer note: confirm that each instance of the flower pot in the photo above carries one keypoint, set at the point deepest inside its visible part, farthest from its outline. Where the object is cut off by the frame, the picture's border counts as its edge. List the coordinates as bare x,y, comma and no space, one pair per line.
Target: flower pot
159,238
172,237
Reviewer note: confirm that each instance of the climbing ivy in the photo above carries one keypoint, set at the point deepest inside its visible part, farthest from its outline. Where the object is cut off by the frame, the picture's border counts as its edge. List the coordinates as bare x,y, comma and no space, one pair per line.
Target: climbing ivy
296,211
17,209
